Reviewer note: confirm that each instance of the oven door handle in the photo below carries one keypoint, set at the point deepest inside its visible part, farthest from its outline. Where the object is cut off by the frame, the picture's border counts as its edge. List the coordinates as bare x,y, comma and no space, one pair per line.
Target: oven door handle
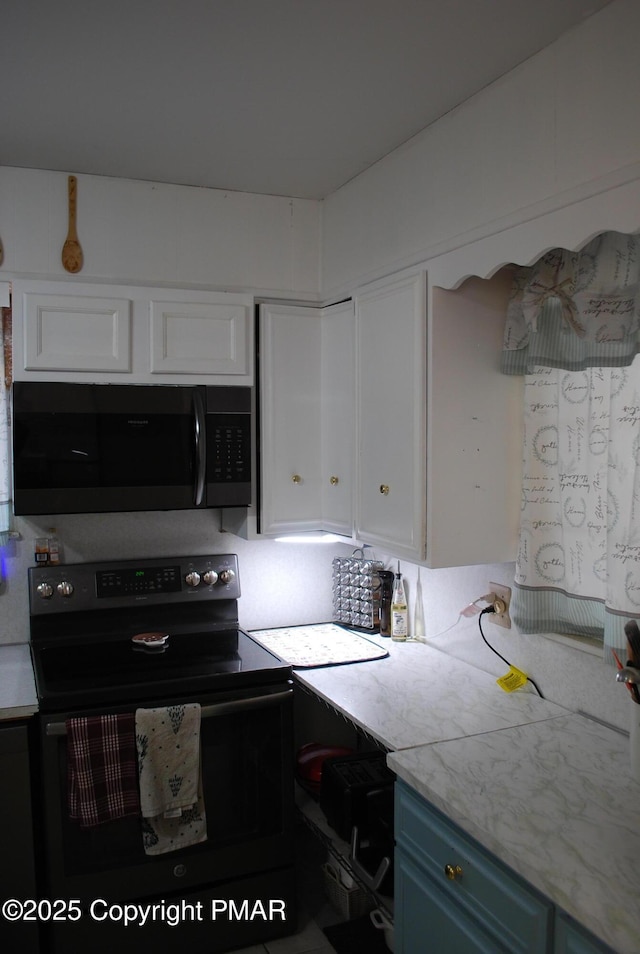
218,709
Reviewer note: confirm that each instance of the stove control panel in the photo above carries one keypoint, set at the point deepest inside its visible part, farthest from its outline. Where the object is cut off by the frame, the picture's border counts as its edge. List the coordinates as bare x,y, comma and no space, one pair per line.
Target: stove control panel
88,586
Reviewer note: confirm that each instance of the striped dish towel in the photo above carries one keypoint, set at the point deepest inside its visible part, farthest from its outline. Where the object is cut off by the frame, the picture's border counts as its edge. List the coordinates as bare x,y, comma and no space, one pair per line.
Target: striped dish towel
102,769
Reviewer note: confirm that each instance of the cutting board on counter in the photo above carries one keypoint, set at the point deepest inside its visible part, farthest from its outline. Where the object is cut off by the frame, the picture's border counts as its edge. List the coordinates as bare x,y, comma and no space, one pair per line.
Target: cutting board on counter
322,644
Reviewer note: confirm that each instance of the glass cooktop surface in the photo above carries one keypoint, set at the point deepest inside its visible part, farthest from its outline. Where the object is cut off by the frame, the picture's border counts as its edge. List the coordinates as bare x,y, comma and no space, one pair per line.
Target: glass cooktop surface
93,672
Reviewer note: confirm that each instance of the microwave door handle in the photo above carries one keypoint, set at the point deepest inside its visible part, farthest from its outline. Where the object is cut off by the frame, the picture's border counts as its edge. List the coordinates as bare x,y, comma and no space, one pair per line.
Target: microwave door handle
200,436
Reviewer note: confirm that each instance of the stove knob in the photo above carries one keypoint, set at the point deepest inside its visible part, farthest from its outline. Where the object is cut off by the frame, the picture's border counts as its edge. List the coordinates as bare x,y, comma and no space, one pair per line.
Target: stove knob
65,588
44,590
210,577
192,578
226,576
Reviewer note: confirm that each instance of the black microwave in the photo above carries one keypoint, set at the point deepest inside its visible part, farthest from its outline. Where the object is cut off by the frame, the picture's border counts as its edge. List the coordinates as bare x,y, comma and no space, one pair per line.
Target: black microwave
107,448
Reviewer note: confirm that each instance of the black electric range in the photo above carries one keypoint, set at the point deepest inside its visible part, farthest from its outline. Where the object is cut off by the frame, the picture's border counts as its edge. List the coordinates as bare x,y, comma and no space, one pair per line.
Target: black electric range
134,631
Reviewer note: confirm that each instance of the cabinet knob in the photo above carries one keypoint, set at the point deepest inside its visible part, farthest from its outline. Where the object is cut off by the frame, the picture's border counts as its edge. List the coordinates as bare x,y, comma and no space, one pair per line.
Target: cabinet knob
384,489
333,481
297,479
453,872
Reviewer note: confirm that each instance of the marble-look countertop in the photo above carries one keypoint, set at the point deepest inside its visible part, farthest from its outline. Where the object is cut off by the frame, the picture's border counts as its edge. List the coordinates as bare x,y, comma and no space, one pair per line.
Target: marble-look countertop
418,694
18,697
556,802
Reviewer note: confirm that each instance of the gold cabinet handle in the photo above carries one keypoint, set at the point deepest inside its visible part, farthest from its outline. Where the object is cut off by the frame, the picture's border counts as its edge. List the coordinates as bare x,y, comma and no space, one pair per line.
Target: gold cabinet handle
333,481
297,479
384,489
453,872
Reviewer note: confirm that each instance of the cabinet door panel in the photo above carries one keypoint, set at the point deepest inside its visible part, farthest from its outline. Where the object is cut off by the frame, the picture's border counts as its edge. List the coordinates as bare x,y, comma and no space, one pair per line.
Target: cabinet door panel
390,414
290,345
337,417
76,333
199,338
427,923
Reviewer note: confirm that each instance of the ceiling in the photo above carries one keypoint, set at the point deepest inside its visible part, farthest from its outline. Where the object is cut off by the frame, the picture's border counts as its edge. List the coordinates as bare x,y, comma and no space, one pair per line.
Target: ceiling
286,97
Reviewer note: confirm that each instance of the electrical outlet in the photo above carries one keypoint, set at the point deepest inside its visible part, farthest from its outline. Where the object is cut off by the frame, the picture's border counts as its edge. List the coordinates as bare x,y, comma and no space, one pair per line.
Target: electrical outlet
502,599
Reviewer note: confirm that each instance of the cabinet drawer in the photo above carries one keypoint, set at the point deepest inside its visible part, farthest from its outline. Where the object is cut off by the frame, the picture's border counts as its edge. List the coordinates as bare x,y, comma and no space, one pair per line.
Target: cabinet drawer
515,914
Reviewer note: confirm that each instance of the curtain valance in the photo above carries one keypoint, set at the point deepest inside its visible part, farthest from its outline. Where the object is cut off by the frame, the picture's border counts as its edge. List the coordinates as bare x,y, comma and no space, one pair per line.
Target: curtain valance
576,310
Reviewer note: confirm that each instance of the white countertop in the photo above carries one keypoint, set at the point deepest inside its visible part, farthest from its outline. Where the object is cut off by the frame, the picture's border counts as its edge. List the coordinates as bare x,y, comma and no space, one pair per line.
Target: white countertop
17,686
546,790
418,694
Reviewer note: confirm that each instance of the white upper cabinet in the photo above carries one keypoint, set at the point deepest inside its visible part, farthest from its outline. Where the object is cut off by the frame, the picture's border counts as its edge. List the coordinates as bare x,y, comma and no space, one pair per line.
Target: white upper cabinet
390,497
134,334
439,427
306,418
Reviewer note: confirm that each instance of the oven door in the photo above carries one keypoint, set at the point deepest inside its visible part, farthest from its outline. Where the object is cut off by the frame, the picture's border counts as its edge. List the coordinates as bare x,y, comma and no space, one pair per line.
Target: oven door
247,776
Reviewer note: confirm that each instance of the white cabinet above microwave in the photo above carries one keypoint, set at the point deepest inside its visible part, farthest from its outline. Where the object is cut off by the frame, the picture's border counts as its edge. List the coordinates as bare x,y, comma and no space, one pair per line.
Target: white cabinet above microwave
69,331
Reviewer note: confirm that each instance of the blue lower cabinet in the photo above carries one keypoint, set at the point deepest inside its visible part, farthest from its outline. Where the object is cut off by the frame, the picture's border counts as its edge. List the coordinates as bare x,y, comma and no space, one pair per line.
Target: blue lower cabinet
452,897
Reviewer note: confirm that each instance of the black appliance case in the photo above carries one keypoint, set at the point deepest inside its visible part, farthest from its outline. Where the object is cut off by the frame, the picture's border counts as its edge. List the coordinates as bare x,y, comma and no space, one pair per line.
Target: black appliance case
109,448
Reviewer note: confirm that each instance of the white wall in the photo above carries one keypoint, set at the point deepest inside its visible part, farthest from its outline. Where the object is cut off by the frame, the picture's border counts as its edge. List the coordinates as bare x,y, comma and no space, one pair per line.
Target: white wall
561,125
147,232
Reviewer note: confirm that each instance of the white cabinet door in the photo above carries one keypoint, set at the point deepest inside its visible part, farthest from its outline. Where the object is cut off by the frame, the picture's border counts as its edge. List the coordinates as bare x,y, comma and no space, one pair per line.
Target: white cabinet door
307,412
80,332
206,335
290,422
390,496
337,417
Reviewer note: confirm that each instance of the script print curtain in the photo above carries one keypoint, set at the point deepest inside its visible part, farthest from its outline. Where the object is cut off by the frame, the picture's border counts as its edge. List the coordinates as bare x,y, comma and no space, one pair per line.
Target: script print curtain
5,440
578,566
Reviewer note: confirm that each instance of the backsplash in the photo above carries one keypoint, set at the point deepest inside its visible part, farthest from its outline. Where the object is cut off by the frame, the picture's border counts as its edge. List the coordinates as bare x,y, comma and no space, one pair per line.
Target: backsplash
568,676
286,584
282,583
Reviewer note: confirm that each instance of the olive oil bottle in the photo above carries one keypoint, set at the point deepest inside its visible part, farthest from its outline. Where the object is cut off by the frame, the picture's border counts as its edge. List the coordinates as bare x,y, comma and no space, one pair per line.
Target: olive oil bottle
399,613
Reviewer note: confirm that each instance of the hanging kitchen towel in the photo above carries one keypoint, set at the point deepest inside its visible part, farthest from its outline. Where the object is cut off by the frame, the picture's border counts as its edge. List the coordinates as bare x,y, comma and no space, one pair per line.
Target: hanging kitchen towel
102,770
168,745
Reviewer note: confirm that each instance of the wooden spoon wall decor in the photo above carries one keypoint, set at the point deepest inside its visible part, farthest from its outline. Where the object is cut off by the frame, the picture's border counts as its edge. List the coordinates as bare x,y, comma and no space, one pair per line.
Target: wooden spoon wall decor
72,257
